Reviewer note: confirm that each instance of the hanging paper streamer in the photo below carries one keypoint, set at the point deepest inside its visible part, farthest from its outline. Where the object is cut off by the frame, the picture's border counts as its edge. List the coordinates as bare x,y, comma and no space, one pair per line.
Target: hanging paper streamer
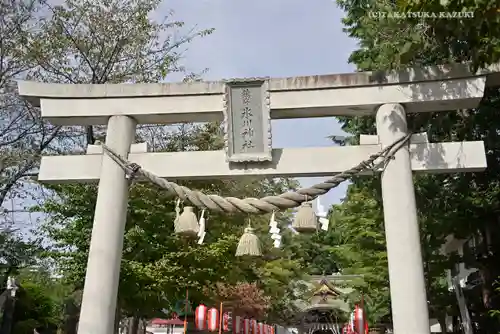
177,212
275,231
201,233
277,242
322,215
272,221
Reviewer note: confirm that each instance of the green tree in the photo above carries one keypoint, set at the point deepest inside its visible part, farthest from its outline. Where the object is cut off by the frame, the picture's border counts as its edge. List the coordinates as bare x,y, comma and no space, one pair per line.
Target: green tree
39,301
245,299
460,204
23,136
360,248
158,267
281,280
102,41
15,254
75,42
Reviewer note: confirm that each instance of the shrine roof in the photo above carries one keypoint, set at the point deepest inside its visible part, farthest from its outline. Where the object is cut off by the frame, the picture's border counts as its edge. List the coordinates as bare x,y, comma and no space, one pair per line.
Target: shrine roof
327,294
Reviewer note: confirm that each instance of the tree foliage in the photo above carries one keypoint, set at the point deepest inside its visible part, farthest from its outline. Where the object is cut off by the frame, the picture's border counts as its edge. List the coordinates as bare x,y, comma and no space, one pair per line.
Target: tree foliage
360,248
104,41
390,37
23,136
39,303
158,267
459,204
99,42
245,299
76,41
71,42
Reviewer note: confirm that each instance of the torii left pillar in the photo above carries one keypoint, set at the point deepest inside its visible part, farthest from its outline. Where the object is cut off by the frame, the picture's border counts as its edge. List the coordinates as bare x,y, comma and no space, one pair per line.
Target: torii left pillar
98,310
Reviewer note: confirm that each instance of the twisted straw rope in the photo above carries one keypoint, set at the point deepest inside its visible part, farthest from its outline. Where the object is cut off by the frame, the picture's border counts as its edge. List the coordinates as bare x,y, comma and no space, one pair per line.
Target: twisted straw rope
255,205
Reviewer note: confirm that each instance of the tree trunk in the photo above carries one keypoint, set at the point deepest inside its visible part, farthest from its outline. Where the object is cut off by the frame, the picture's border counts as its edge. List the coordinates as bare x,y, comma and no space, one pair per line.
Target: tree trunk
71,313
8,315
118,317
455,326
142,329
487,287
133,325
442,324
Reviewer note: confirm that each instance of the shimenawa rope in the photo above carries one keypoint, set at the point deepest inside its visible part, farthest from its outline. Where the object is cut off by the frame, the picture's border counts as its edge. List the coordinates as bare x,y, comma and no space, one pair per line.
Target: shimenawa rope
255,205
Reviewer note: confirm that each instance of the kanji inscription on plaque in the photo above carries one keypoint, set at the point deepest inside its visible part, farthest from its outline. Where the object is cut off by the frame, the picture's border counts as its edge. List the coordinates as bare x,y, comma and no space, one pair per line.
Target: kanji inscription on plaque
247,121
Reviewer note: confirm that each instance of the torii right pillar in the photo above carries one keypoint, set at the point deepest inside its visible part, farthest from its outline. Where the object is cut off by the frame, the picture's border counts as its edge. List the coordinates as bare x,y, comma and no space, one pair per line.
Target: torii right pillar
408,295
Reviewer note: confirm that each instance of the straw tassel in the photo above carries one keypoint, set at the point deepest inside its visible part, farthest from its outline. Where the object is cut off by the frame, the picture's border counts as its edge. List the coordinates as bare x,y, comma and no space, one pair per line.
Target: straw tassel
249,244
187,224
305,219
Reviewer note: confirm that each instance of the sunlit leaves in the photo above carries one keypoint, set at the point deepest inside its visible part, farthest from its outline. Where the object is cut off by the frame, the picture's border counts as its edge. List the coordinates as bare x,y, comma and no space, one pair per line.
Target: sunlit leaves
459,204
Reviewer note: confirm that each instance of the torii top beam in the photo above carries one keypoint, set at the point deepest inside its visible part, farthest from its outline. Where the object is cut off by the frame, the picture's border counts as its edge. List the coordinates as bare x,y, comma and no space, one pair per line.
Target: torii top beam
419,90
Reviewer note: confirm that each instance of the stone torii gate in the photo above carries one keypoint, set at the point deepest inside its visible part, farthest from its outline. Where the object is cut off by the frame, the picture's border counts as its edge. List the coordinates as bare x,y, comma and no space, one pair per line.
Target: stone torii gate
247,106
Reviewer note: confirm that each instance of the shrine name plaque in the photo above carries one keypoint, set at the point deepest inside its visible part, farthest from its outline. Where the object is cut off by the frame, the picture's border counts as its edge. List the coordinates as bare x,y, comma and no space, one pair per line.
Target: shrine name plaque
247,121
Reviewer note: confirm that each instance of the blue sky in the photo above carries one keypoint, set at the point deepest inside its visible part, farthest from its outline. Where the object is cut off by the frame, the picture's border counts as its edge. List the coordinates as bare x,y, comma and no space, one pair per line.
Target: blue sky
277,38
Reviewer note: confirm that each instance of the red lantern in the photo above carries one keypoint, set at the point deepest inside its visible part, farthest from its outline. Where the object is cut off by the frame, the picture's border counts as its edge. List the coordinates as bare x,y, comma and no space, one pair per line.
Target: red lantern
254,325
200,317
238,325
247,326
360,324
213,319
358,320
